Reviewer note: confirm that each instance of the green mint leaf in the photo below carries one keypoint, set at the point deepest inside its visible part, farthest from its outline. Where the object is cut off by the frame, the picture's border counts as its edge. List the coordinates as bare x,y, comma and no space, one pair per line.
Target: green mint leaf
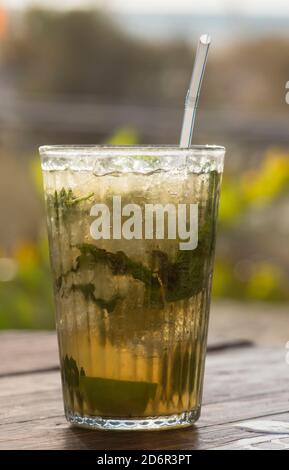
62,203
120,264
88,292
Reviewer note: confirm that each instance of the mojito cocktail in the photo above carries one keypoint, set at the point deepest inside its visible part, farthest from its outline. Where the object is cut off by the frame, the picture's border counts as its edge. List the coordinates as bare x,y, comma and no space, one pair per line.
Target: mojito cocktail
132,233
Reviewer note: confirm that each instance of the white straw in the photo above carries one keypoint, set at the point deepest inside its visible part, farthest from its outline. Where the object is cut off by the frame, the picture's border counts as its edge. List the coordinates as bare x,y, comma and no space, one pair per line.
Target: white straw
193,94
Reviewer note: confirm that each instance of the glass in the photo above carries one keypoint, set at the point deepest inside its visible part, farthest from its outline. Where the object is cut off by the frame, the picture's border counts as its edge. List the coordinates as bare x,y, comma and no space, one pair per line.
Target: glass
132,233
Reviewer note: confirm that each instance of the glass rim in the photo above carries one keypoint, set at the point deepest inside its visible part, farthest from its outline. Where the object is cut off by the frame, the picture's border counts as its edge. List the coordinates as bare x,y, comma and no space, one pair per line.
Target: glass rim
122,150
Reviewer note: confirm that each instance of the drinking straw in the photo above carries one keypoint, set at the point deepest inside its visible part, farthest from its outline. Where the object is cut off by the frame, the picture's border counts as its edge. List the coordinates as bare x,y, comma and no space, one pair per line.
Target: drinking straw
193,94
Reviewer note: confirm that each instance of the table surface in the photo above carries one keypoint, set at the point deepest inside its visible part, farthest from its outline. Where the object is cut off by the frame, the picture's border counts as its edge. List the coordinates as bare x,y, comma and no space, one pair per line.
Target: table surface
242,382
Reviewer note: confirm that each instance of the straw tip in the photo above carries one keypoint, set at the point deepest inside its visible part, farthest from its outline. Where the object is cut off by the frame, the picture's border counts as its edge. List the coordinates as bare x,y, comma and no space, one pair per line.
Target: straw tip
205,39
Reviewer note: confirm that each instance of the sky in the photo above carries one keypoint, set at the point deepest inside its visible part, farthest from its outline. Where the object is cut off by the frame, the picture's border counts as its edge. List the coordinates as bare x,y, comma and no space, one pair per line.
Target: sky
250,7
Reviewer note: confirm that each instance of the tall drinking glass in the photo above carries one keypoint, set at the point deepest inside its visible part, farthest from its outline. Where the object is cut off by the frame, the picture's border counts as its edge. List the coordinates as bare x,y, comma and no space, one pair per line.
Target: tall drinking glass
132,233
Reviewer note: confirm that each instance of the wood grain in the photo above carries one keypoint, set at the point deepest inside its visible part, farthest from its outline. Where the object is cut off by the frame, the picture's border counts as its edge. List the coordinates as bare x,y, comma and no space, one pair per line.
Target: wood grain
27,352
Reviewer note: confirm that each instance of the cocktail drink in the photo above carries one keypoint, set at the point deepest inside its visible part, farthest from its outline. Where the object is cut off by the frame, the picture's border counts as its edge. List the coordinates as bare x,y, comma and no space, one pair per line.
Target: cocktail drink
132,233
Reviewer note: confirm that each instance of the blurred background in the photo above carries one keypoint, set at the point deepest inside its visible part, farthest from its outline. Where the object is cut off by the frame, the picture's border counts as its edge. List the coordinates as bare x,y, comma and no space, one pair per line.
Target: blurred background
117,71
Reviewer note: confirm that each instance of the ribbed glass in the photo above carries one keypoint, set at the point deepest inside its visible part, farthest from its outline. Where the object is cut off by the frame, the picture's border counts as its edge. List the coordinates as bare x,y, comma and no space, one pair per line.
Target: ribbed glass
132,314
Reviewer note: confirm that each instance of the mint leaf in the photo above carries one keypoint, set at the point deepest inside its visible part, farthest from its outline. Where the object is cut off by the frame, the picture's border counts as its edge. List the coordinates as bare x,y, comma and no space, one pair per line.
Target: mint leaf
62,203
120,264
88,292
65,198
70,377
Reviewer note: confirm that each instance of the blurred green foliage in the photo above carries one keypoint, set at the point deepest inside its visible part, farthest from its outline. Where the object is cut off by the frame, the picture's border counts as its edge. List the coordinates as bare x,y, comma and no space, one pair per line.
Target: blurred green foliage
125,136
26,299
264,282
249,279
26,294
254,188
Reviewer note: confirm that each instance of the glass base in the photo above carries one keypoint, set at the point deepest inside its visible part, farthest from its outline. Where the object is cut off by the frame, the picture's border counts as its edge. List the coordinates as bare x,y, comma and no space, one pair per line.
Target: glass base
149,423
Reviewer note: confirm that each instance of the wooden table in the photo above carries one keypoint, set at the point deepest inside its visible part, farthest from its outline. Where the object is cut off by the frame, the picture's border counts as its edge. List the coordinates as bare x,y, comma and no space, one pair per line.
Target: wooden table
241,382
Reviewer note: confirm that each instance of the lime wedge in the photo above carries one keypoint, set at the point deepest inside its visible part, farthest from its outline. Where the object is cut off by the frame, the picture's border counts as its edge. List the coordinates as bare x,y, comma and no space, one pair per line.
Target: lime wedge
116,397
